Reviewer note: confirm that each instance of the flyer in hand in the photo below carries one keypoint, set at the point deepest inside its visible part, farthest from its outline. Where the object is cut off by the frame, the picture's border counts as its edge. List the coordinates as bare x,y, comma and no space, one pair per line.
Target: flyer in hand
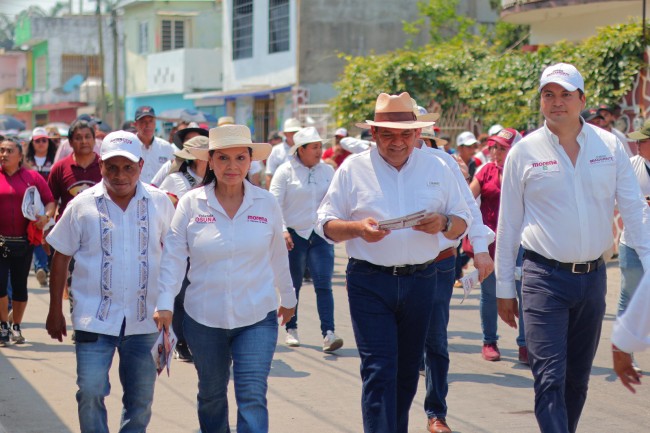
469,281
163,349
403,222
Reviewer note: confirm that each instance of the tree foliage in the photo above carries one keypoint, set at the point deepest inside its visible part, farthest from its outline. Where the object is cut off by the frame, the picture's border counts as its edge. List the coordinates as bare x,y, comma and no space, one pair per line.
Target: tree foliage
496,86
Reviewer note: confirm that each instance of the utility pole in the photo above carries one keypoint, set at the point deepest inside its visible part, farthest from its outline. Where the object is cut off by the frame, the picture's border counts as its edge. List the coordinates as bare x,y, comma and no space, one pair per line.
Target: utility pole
116,99
101,105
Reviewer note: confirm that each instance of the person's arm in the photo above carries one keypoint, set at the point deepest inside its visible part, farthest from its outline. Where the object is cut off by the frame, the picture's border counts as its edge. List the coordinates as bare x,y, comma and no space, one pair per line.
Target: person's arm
278,188
280,264
173,263
55,322
366,229
511,217
475,187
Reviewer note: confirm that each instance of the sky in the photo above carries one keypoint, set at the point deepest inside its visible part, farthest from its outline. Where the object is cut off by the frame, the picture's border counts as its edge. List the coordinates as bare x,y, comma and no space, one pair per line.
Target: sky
13,7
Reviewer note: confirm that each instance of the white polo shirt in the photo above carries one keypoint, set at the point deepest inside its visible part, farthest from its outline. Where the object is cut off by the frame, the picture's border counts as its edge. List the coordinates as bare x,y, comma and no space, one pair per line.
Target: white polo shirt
279,155
178,184
236,264
640,167
564,212
631,331
367,186
117,258
299,191
154,157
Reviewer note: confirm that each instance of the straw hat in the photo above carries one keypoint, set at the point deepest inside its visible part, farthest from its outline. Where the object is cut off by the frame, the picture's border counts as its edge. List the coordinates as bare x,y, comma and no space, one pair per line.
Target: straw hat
291,125
395,111
230,136
422,114
225,120
430,133
305,136
179,136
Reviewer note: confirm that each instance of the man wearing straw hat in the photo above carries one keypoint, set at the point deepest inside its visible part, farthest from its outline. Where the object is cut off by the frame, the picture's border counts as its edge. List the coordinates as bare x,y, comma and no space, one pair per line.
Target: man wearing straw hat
391,274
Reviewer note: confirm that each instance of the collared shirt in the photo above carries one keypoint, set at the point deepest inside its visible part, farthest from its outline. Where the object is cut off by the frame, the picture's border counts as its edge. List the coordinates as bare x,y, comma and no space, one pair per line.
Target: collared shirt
564,212
299,191
279,155
12,191
235,264
154,157
178,184
640,166
480,235
117,258
631,331
367,186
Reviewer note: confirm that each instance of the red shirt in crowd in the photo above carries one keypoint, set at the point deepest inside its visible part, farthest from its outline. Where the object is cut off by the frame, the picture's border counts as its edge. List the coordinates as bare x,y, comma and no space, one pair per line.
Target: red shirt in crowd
327,153
488,178
12,191
67,179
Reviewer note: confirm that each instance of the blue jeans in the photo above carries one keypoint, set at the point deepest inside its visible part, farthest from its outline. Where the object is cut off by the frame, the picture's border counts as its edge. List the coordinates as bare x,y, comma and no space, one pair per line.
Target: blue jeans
94,354
631,274
319,254
390,316
563,314
40,259
249,350
436,355
521,337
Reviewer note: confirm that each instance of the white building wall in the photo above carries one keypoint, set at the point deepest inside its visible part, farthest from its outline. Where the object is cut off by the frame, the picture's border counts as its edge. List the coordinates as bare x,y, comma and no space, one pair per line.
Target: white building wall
262,69
178,71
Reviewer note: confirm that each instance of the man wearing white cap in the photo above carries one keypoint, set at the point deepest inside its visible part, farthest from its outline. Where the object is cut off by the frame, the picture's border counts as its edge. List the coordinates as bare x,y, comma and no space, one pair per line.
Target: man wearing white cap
114,230
465,143
391,274
560,184
280,153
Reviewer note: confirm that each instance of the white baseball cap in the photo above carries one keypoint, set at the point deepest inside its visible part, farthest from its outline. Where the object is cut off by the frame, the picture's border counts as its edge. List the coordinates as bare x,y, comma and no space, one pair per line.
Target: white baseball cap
121,143
466,138
341,132
565,75
494,129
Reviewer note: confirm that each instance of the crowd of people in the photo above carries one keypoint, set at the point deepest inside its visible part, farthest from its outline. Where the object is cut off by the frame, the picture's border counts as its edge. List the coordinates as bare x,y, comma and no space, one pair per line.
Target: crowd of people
212,235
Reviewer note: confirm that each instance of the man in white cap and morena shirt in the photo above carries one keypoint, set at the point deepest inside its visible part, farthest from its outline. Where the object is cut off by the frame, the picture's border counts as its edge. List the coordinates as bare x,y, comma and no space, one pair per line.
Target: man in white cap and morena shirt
112,300
560,184
155,151
391,277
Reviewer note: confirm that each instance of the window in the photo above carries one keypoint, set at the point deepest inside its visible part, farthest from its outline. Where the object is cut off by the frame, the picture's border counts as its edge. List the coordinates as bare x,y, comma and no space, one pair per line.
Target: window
278,26
40,75
242,29
174,34
74,64
143,38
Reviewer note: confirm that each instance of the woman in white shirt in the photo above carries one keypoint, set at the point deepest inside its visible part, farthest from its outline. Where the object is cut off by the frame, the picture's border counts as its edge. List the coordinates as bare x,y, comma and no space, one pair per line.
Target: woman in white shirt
232,233
187,170
299,185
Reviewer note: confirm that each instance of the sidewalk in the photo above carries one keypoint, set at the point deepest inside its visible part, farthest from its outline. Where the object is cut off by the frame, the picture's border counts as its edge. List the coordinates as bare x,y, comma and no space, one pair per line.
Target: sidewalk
310,391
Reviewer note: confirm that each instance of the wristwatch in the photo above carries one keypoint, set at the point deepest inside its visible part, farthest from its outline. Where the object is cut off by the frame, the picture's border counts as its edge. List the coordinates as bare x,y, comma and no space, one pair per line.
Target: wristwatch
448,224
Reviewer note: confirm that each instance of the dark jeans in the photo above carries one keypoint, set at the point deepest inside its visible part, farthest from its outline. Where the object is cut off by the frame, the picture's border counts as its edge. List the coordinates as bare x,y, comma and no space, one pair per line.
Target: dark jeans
390,316
436,355
563,314
16,269
179,308
319,255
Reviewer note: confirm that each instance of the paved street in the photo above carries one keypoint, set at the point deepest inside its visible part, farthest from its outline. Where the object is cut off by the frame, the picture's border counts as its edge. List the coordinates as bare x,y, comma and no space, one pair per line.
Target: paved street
314,392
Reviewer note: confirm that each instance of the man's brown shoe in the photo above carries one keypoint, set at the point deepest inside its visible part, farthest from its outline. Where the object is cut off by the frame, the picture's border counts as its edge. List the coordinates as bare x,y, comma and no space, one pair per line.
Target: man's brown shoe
438,425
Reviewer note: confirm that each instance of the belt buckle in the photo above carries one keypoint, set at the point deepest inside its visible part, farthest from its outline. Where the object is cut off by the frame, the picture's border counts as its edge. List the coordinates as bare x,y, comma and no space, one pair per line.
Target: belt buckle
573,268
395,270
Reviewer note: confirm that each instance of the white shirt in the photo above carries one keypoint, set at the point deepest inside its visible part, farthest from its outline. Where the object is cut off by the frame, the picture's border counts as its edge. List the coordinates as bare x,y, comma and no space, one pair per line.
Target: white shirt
480,235
162,173
624,141
367,186
113,277
177,183
564,212
65,148
236,265
154,157
279,155
631,331
639,165
299,191
355,145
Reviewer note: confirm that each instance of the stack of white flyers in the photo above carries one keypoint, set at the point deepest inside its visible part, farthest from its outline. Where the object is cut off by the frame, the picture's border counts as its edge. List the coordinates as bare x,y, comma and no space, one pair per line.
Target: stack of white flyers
403,222
163,349
469,281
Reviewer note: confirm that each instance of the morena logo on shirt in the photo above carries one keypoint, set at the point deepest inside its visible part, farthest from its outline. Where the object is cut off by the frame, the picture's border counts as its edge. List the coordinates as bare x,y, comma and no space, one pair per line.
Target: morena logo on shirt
257,219
205,219
601,159
544,164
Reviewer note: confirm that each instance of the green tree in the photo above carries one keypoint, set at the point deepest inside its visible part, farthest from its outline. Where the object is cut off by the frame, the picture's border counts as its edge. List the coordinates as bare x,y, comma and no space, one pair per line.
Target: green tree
442,21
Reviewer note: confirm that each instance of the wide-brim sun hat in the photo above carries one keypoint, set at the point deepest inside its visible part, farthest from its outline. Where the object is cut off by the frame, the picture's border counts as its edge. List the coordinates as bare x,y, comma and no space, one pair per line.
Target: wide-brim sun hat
200,142
395,111
422,114
291,125
179,136
232,136
641,134
305,136
430,133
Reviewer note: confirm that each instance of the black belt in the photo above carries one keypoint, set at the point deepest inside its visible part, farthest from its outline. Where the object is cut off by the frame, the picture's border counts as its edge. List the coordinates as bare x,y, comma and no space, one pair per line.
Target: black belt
576,268
398,271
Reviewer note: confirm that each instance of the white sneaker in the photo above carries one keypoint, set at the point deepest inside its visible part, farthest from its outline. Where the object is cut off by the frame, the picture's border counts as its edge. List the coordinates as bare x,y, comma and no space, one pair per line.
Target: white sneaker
41,277
291,339
331,342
